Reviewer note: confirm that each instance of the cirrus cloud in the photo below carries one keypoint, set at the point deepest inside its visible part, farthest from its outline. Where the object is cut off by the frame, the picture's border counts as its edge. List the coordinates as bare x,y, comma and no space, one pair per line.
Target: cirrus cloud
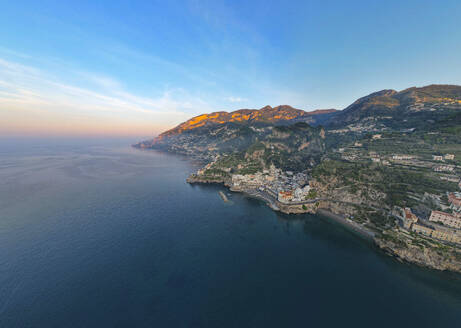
236,99
33,99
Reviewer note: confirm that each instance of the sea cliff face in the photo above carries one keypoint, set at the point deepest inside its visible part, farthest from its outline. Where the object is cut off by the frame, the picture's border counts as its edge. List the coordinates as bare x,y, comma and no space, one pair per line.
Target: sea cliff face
439,259
367,209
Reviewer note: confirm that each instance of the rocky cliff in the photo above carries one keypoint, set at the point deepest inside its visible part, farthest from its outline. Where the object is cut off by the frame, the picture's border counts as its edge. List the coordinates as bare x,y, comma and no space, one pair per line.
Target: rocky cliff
440,258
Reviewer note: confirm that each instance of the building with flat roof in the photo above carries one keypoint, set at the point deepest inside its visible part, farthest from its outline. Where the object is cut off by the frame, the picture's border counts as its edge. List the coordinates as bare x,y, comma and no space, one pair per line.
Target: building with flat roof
444,168
445,218
419,228
438,232
402,157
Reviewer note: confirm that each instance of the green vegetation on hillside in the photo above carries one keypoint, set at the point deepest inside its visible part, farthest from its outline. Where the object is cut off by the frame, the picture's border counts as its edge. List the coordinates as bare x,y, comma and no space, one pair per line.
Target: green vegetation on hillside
398,184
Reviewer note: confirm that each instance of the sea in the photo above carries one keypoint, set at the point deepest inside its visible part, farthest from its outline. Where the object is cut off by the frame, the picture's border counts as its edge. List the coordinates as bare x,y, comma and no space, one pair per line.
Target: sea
95,233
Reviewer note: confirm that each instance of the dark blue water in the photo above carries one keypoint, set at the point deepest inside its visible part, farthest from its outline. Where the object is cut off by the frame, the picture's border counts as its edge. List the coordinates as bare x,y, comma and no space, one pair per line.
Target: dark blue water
102,235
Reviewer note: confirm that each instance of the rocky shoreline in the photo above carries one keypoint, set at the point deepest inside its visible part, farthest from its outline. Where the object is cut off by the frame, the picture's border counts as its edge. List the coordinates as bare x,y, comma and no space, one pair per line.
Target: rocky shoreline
424,257
364,232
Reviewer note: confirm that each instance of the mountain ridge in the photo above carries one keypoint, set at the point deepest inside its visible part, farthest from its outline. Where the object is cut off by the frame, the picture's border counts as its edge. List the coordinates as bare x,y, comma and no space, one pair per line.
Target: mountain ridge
388,109
266,114
400,105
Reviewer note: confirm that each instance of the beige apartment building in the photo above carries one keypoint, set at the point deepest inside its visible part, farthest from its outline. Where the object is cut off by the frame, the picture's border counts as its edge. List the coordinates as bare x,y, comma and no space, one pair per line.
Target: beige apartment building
440,233
446,219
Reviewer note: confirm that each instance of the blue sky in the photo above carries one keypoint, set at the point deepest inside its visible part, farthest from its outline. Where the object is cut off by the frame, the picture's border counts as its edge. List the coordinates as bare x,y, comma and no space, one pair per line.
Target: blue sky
139,67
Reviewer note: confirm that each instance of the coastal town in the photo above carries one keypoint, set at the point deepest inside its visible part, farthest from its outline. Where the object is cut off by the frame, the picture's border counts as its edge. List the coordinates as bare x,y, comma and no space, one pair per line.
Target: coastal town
295,192
284,190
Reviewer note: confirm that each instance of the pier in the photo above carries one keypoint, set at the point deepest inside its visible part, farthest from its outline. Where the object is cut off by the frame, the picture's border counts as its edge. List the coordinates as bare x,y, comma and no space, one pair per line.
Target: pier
223,196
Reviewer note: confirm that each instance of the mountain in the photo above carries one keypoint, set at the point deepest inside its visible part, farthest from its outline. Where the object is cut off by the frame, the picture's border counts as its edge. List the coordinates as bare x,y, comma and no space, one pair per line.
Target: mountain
290,147
411,108
269,115
230,131
429,108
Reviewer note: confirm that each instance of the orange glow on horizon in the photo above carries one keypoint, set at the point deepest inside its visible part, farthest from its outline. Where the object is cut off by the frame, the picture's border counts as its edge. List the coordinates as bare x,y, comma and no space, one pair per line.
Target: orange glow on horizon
83,126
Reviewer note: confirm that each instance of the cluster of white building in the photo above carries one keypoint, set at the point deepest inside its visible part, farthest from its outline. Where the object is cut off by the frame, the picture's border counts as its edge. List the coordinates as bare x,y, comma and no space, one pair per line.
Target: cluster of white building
285,186
297,195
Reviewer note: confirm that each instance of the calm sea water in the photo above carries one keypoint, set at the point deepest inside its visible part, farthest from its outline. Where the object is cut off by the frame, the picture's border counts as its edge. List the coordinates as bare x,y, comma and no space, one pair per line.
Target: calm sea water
96,234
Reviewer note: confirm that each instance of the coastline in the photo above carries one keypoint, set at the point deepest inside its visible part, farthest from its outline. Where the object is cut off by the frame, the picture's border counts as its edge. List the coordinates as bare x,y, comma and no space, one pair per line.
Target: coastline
351,225
413,255
279,207
323,212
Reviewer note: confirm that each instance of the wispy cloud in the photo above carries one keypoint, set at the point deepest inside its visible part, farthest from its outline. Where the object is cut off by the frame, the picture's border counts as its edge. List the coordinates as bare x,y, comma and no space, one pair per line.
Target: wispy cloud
236,99
26,89
101,80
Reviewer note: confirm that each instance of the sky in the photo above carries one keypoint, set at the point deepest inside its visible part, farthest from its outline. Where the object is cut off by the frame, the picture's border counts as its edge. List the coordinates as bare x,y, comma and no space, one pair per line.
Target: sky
136,68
